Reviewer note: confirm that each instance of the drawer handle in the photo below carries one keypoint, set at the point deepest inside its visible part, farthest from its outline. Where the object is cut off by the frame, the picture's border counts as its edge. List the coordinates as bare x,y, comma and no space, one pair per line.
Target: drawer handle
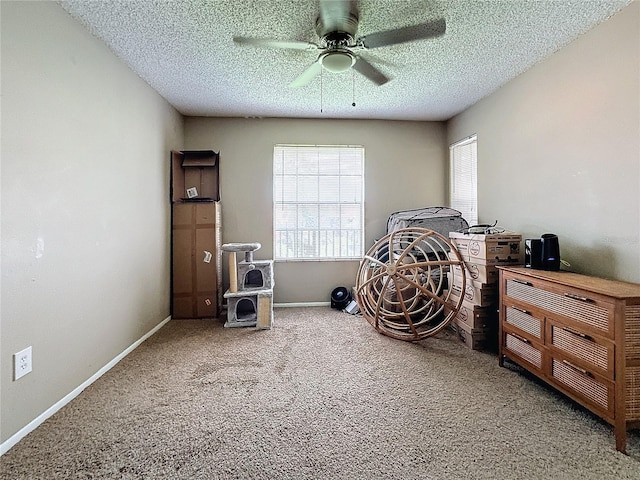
577,334
522,339
579,297
576,368
522,310
523,282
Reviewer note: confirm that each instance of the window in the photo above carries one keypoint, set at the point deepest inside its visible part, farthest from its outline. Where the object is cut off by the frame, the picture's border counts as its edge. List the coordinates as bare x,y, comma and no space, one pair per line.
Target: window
463,174
318,205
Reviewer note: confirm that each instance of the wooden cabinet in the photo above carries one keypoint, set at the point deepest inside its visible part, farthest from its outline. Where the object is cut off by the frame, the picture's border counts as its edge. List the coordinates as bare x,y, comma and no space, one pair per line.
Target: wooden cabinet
580,334
196,267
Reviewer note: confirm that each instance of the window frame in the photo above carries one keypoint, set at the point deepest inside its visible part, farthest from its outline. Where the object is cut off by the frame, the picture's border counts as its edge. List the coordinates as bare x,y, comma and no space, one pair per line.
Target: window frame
357,251
465,150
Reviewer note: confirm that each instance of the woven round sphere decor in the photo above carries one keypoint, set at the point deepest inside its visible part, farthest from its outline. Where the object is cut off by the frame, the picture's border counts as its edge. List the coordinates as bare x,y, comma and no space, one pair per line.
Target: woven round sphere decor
400,286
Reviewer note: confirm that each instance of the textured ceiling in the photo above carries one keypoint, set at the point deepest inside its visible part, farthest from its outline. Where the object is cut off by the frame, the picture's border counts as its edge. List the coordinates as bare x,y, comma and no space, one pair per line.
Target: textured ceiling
185,51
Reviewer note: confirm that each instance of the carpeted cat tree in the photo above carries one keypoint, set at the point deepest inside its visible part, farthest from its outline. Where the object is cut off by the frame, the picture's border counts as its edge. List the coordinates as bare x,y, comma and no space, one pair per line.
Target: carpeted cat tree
250,294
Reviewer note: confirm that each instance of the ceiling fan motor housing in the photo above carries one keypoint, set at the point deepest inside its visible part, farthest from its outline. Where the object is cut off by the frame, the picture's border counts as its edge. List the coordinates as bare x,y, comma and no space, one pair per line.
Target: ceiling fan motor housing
337,23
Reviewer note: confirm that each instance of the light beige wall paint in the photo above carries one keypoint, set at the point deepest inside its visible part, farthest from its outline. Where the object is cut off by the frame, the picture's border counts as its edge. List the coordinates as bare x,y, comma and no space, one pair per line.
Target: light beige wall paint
405,167
85,209
559,149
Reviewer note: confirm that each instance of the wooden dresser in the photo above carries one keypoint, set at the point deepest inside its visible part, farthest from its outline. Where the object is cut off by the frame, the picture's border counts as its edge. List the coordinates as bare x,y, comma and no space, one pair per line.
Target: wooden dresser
580,334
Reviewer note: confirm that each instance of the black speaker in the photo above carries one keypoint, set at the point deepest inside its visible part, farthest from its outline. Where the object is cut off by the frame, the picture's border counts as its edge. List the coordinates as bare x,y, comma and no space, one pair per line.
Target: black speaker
533,253
550,252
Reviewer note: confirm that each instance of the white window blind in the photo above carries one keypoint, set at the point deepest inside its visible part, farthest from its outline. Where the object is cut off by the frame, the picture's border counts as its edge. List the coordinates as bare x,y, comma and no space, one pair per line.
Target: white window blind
463,174
318,206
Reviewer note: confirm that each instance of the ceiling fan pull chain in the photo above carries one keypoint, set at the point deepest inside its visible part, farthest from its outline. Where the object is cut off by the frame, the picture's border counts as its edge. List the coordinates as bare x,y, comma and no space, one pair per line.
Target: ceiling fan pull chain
353,92
321,77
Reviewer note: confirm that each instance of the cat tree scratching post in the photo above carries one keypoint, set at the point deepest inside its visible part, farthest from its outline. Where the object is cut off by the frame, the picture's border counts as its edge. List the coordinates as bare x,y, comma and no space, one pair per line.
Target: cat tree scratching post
250,294
233,273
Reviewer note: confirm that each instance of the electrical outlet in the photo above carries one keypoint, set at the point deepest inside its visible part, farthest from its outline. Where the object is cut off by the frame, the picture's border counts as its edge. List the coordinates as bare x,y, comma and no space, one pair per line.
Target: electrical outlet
22,363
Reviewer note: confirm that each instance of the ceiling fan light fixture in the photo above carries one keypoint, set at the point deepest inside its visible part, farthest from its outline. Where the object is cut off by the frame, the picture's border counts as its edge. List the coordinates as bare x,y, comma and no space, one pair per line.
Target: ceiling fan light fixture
337,61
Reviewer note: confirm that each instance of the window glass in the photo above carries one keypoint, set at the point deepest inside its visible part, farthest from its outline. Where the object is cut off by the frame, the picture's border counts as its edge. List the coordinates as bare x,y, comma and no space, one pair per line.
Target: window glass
463,191
318,202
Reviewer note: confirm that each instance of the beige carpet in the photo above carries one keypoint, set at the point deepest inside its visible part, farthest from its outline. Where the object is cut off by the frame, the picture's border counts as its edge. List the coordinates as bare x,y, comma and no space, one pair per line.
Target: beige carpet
320,396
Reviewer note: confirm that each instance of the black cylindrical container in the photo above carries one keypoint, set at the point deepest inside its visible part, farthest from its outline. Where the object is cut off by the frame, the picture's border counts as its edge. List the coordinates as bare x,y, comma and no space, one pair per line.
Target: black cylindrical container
550,252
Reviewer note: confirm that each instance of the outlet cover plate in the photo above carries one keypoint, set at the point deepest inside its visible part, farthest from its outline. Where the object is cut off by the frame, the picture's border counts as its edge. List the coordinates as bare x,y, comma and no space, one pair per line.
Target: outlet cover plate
22,363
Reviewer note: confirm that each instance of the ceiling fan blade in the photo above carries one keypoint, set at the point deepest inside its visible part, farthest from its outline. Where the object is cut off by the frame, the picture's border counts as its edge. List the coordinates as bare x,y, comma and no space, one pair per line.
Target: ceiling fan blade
406,34
305,77
271,43
369,71
369,57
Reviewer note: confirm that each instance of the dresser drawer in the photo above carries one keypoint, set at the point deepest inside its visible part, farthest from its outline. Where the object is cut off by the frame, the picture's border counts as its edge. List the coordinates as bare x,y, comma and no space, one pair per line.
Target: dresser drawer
590,389
586,310
524,321
593,352
519,348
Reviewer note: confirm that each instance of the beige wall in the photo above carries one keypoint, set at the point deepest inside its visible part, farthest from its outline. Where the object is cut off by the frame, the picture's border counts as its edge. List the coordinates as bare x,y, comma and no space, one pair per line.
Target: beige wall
405,167
559,149
85,210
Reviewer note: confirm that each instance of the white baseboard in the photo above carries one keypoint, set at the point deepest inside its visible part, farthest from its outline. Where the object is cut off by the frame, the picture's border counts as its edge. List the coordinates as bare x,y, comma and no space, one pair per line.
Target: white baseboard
305,304
36,422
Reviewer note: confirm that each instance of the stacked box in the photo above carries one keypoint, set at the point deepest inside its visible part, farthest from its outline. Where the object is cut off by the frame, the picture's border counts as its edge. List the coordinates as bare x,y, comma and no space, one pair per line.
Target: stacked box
475,293
475,316
487,274
196,235
489,249
476,323
475,339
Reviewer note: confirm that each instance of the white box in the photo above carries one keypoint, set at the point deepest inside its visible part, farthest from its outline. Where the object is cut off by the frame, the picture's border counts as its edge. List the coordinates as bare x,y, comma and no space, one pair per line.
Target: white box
474,316
477,271
492,248
476,293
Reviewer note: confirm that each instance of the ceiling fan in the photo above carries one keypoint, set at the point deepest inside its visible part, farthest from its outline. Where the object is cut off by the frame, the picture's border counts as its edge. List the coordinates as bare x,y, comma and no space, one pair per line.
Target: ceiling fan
336,27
